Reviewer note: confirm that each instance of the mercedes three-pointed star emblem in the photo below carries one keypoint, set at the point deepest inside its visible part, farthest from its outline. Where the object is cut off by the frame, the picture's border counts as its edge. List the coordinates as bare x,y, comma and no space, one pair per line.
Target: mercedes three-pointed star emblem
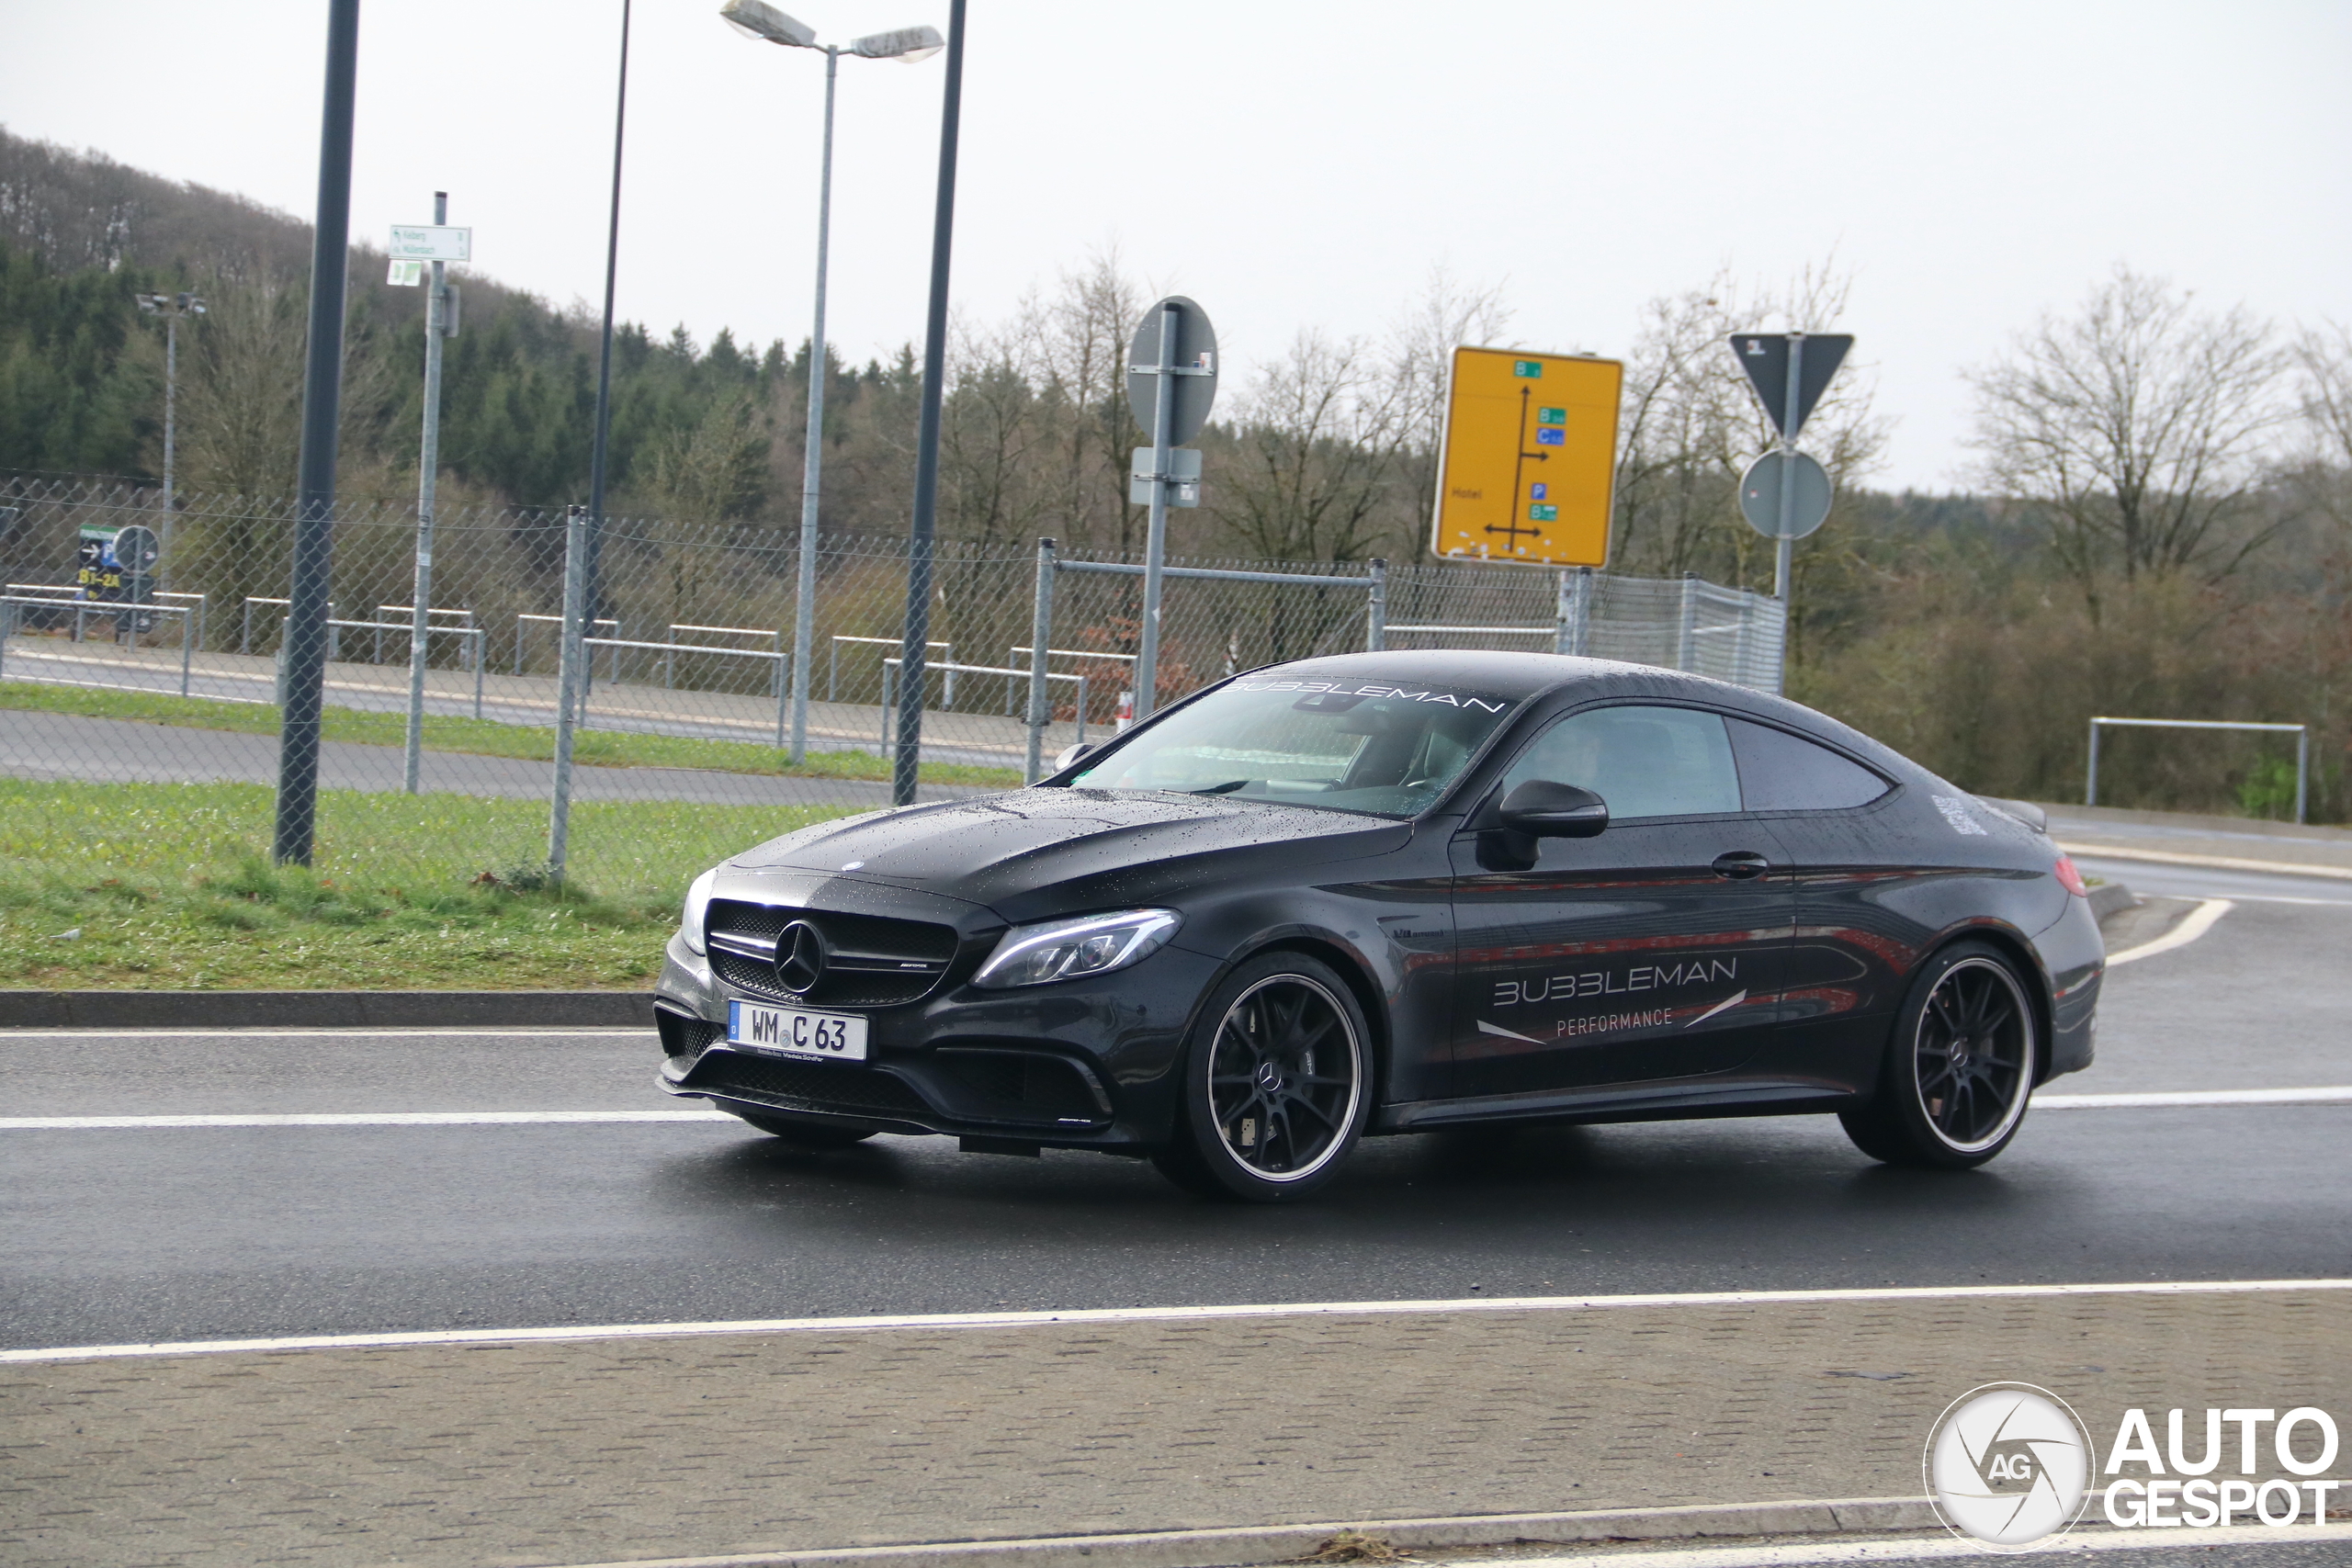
800,958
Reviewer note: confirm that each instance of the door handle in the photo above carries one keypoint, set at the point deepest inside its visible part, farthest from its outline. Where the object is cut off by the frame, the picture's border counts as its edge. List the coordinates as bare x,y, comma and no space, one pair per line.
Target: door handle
1741,866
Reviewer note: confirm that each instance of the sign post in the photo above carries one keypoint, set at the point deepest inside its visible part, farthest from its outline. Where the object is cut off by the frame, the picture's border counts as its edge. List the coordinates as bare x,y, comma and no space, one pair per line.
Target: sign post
1529,457
1785,495
442,246
1171,382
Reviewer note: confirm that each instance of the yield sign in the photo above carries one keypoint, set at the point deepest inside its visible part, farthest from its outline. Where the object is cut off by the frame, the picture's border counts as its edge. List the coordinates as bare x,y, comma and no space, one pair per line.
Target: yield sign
1765,357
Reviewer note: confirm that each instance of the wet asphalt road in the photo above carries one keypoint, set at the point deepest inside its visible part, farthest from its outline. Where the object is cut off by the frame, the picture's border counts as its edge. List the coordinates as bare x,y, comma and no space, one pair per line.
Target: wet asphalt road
114,1235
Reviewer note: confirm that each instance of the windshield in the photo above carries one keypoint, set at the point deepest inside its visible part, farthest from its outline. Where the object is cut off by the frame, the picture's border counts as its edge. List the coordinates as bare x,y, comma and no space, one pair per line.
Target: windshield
1334,744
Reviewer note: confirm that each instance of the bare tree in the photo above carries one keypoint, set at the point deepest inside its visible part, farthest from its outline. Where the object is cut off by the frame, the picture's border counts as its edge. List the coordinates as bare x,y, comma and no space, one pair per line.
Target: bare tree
1315,448
1082,360
1689,426
2139,428
1448,315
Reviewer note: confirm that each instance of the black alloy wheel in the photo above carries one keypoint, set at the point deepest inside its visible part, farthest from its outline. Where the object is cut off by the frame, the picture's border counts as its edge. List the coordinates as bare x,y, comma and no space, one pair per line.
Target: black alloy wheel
1959,1067
1277,1084
809,1135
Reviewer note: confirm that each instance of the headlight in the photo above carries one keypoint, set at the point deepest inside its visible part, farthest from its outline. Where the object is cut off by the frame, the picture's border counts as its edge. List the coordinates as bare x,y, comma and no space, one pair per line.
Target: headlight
1064,949
697,907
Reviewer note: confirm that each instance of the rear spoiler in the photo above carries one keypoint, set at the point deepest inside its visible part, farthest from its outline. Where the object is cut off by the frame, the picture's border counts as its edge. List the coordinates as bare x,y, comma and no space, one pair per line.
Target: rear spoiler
2024,811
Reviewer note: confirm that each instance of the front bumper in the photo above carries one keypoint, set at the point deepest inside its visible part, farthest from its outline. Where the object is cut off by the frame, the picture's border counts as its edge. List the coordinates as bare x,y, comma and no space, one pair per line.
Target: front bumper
1079,1064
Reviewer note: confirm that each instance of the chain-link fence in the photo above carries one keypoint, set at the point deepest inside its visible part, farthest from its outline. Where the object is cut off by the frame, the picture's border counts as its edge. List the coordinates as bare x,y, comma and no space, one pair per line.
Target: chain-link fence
142,649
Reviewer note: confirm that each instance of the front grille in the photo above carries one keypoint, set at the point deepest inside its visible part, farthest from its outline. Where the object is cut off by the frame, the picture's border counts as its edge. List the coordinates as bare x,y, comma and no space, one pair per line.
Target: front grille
875,961
806,1086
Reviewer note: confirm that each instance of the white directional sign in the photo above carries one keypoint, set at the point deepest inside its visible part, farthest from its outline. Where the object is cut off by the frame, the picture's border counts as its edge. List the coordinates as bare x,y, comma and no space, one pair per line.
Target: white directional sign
431,241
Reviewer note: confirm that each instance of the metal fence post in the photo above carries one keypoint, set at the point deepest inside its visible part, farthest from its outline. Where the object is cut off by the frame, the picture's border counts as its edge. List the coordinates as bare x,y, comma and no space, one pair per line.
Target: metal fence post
2302,769
568,680
783,700
482,656
1689,614
2090,787
1375,631
187,649
1040,635
8,629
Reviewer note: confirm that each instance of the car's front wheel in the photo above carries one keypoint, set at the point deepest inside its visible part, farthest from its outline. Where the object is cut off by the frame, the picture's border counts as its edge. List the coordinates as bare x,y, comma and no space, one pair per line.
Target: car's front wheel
1959,1068
1277,1084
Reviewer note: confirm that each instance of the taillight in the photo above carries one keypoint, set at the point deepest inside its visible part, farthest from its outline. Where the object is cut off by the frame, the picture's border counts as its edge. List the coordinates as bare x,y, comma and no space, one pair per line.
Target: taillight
2071,879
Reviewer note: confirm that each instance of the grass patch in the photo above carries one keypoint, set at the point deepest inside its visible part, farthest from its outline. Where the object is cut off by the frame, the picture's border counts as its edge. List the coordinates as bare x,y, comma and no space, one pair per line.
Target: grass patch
483,737
169,888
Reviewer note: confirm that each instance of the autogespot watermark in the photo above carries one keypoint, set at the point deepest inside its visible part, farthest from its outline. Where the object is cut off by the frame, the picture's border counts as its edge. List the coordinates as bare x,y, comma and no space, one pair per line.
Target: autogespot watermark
2009,1465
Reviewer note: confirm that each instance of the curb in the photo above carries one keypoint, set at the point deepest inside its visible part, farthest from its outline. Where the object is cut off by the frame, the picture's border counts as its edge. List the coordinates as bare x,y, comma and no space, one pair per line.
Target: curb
323,1010
1280,1543
2215,863
2111,899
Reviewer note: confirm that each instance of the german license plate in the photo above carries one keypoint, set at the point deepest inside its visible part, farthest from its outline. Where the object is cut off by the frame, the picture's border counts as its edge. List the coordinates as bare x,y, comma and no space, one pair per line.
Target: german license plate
787,1032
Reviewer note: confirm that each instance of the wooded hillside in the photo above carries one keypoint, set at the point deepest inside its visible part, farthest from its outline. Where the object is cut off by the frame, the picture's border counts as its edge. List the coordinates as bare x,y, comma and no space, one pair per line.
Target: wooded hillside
2162,524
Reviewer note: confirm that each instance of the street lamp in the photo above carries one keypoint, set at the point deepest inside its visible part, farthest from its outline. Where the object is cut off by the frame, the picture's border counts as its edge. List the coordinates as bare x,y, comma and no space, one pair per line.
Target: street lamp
174,309
757,19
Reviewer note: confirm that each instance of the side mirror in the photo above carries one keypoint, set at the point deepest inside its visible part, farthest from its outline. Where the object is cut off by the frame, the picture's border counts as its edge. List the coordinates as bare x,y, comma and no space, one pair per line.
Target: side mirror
1542,809
1071,754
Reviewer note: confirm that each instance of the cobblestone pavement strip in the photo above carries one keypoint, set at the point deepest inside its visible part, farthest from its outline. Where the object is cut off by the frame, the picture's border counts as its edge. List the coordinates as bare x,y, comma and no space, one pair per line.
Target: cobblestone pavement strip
607,1450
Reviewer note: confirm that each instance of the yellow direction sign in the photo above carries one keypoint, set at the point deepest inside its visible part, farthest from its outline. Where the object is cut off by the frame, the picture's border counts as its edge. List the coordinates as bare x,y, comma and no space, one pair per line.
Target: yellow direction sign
1531,451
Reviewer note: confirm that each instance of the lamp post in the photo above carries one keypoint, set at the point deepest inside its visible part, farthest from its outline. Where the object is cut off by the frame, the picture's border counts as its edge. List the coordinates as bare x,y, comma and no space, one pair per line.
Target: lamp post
757,19
174,309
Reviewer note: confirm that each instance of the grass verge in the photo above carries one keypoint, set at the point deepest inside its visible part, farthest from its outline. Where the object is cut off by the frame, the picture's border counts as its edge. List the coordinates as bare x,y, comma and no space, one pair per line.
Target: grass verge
169,888
483,737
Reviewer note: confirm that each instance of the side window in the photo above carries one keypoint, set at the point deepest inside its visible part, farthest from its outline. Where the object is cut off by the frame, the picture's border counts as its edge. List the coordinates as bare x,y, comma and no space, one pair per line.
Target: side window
1779,771
1645,762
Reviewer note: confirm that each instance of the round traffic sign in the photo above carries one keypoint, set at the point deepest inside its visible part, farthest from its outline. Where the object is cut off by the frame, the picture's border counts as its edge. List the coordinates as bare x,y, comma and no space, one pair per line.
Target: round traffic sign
136,549
1193,362
1759,497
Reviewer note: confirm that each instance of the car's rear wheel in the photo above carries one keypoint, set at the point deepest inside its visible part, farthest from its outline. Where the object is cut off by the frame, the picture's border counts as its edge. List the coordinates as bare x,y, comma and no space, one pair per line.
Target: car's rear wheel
807,1135
1277,1084
1959,1068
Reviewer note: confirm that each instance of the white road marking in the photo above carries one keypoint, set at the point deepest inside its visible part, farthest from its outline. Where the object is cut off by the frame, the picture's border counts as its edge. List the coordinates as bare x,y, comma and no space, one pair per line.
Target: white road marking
1833,1551
958,1320
340,1031
2193,1096
2329,1094
2196,923
2216,862
355,1118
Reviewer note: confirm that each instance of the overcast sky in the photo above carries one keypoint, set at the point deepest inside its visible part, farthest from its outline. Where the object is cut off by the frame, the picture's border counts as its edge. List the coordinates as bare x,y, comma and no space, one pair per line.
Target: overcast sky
1295,162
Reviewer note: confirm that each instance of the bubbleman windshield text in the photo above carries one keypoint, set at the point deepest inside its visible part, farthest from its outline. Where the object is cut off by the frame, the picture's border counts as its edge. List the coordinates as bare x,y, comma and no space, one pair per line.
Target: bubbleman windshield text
1333,745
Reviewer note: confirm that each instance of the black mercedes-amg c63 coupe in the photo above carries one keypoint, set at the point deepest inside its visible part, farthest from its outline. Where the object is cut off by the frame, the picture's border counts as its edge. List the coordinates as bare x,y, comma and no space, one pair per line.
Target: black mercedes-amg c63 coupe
1389,893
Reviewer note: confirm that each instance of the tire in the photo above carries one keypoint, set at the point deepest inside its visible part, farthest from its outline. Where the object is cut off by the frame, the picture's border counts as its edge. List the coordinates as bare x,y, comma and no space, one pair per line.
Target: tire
1959,1067
1277,1084
807,1135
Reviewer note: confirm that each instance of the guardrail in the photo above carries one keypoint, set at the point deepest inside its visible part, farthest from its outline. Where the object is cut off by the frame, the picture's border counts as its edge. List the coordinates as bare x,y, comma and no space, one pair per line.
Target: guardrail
557,621
777,659
833,665
12,605
2302,732
474,635
1036,723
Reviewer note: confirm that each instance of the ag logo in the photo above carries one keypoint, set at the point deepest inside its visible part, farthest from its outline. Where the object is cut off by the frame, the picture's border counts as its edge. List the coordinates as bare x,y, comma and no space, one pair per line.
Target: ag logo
2008,1465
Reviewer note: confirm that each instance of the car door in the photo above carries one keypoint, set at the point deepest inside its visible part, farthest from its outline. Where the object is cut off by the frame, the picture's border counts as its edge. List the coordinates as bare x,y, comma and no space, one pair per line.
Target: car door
1655,950
1853,866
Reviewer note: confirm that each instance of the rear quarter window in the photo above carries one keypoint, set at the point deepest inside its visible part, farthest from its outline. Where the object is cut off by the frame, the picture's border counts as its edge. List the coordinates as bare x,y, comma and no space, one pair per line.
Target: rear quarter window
1780,772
